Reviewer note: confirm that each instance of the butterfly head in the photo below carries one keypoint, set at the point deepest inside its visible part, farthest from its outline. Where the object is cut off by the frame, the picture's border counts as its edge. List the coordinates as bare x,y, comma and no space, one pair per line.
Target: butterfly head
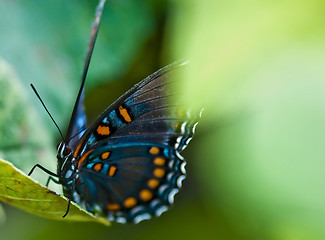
66,162
64,151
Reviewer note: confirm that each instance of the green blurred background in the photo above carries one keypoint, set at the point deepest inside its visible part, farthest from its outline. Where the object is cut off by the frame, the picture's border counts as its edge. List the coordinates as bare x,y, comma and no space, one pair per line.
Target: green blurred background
256,166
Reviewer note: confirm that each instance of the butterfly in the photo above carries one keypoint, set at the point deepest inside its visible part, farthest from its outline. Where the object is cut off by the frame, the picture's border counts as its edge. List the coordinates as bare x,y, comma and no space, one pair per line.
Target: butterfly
127,165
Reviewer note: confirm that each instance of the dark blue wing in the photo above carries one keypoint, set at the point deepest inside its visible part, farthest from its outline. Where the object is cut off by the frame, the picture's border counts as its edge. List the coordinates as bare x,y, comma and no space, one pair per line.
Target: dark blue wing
129,182
78,123
129,166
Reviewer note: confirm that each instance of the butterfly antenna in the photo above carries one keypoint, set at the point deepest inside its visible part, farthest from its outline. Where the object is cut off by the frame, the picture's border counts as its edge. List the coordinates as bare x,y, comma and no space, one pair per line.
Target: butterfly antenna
34,89
91,44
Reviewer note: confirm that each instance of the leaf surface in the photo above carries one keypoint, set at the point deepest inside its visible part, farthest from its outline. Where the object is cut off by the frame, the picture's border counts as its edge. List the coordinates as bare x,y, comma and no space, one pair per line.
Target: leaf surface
19,190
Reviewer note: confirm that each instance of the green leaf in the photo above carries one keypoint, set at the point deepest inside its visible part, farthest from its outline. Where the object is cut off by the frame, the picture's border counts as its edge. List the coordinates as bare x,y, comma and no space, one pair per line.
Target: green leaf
19,190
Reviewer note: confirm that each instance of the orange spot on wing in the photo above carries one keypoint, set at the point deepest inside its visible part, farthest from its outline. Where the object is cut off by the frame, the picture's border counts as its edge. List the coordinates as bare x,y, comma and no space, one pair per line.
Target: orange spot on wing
103,130
105,155
153,183
130,202
113,207
97,167
154,150
159,161
111,171
145,195
124,113
84,157
77,150
159,172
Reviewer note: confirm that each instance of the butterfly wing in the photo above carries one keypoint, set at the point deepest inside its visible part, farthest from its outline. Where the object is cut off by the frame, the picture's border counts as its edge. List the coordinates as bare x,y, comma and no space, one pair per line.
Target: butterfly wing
129,166
130,182
78,123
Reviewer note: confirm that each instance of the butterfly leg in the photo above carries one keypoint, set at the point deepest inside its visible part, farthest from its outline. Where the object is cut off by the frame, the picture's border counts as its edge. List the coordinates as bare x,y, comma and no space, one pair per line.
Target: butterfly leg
68,208
48,181
44,169
53,180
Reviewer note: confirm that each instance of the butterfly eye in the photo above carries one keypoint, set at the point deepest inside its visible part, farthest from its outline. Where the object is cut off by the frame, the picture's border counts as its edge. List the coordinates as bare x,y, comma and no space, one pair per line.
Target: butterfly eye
58,146
67,150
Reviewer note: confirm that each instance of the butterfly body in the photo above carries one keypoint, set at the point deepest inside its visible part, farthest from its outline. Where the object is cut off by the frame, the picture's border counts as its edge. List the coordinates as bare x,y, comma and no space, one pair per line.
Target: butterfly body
126,165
